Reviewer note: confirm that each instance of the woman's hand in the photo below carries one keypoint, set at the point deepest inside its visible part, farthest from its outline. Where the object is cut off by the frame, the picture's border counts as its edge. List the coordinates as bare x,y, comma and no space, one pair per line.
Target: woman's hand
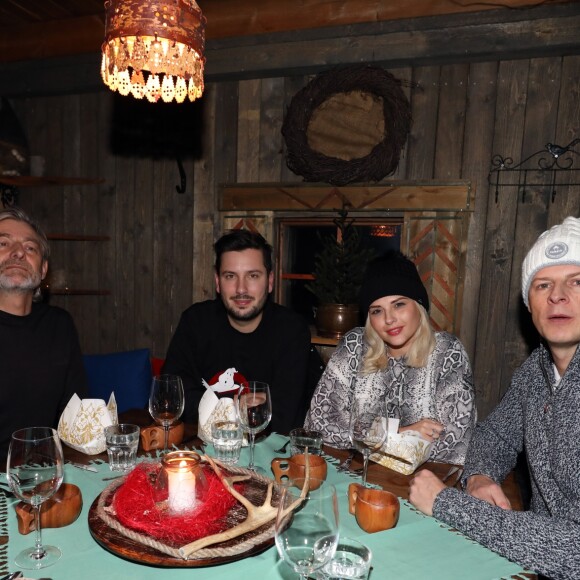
428,428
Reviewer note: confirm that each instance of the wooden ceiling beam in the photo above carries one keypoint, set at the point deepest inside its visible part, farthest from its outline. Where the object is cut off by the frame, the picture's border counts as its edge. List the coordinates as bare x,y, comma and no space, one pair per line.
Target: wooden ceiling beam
230,18
234,18
537,32
52,38
546,31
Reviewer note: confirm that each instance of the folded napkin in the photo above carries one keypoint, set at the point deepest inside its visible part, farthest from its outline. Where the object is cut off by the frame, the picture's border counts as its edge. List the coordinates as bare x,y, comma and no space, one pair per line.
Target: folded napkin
213,408
402,452
82,423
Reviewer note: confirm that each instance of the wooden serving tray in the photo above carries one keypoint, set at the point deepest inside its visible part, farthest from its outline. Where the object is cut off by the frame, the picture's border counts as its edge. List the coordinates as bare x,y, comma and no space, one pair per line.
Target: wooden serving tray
129,549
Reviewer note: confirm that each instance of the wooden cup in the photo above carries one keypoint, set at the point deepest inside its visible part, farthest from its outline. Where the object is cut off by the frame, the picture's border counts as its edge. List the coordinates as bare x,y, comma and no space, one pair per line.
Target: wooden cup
375,509
294,468
153,437
62,509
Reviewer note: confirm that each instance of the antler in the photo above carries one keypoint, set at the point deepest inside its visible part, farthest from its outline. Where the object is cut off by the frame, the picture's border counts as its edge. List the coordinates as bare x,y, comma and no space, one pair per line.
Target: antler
257,515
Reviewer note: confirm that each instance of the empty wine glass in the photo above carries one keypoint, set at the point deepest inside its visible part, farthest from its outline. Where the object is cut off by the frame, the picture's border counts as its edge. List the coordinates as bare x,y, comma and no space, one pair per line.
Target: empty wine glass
166,402
254,408
367,429
35,472
307,527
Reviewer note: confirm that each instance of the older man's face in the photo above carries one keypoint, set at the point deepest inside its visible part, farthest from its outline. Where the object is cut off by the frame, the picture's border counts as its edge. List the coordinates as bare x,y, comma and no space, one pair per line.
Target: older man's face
22,267
554,300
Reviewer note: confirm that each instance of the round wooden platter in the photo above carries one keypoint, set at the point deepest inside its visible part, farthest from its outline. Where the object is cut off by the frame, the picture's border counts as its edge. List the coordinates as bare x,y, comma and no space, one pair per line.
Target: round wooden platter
124,547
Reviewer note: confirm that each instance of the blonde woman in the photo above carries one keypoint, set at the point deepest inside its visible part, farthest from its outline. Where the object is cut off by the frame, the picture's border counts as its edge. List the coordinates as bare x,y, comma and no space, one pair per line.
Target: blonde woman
423,376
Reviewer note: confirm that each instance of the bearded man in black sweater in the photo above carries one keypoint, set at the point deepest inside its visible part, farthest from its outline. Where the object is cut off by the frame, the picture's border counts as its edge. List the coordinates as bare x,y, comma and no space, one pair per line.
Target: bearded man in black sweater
245,330
40,358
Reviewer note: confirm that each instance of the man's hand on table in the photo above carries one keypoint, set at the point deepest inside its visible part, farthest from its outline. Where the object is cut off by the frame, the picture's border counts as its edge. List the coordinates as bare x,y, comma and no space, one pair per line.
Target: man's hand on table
426,486
483,487
423,490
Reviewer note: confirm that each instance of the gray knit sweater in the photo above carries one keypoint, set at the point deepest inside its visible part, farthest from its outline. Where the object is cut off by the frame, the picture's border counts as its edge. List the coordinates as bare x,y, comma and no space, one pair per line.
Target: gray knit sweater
443,390
543,419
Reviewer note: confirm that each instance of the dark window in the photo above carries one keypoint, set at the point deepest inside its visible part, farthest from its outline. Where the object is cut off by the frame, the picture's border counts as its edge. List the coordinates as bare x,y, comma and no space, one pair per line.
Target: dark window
298,244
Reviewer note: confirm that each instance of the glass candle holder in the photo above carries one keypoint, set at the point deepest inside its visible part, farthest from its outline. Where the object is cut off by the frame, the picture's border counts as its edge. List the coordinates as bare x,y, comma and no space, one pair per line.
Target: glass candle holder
182,481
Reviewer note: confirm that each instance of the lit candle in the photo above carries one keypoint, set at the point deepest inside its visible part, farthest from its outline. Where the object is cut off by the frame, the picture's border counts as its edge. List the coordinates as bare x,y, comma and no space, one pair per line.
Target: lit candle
181,484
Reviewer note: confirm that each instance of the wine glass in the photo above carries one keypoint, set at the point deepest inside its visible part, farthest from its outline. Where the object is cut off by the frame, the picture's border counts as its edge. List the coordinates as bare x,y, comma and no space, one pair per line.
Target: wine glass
254,407
35,472
367,429
307,527
166,402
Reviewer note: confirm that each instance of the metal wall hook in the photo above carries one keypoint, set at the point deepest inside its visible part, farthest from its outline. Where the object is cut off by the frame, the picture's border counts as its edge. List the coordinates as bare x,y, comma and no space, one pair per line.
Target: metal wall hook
559,163
182,176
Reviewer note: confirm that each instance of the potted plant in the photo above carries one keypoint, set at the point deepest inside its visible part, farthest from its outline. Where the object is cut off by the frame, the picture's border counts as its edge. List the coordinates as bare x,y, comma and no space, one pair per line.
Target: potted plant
339,268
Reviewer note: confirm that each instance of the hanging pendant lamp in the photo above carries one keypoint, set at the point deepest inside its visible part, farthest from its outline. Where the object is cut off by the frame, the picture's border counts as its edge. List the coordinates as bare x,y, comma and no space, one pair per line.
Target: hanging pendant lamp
154,49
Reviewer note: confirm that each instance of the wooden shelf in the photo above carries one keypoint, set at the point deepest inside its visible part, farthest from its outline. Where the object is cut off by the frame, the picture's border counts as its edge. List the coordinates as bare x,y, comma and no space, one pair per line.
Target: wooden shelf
34,181
77,238
75,292
321,340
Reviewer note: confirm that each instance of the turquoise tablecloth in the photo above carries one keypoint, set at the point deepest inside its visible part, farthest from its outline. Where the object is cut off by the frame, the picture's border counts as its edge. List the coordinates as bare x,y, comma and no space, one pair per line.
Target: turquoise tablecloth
419,547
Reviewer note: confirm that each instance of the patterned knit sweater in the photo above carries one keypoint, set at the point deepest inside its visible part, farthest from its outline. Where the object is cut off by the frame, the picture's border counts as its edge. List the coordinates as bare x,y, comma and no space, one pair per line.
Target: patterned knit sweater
442,390
544,419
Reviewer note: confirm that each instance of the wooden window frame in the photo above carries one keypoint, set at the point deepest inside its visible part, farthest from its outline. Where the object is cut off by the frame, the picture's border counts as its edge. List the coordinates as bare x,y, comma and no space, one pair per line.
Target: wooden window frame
435,223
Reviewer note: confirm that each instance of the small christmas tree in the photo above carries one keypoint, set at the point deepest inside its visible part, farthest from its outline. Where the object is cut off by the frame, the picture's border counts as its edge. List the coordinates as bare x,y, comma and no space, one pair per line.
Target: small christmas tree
340,266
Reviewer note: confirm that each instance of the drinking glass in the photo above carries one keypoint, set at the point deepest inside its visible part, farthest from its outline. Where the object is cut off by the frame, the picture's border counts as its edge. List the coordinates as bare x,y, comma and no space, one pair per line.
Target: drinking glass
122,442
307,527
166,402
254,408
35,472
301,438
351,561
227,439
367,429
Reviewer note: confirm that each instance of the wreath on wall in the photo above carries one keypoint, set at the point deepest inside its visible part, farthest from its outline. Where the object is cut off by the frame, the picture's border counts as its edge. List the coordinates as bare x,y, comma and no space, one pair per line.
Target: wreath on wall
347,125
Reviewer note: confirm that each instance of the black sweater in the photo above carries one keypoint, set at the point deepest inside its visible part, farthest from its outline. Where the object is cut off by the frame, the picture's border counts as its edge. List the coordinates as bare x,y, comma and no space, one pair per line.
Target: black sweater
40,369
205,344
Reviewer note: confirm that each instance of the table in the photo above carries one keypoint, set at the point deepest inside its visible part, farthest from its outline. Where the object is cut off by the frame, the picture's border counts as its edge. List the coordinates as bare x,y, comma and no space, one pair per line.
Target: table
418,547
392,481
398,483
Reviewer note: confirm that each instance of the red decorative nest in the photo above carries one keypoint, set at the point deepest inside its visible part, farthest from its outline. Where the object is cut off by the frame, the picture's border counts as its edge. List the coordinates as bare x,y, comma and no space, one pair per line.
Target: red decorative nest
139,506
130,518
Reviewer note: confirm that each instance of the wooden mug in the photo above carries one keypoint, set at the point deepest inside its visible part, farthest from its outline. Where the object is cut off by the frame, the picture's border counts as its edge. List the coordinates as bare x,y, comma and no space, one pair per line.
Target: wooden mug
62,509
294,468
153,437
375,509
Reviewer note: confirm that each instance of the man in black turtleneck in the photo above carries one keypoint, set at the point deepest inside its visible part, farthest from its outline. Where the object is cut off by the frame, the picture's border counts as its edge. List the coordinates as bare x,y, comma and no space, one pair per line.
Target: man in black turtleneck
40,358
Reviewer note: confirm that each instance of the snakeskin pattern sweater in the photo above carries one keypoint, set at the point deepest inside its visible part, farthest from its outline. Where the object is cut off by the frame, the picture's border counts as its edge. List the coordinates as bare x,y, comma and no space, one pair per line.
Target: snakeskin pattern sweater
442,390
544,419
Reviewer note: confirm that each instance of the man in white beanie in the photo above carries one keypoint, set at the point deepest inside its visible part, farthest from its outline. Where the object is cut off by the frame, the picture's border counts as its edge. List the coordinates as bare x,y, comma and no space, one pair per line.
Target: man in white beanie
540,414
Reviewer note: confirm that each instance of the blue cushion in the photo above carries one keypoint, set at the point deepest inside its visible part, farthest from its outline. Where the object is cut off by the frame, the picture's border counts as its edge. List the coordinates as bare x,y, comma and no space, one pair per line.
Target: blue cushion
128,374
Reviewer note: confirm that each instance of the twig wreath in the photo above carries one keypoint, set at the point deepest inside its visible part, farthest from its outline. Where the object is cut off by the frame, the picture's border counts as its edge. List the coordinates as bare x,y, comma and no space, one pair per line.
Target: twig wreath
382,160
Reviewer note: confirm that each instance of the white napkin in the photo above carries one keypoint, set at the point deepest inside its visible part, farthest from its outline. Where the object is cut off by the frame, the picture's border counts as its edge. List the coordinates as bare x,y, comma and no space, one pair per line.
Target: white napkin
402,452
82,423
211,409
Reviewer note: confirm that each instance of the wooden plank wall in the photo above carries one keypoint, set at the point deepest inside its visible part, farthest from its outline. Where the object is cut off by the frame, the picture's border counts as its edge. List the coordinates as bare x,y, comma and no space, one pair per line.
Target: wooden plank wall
159,258
147,264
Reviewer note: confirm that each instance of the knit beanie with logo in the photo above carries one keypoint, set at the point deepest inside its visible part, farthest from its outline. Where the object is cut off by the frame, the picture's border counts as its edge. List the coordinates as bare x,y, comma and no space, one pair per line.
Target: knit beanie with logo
558,246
